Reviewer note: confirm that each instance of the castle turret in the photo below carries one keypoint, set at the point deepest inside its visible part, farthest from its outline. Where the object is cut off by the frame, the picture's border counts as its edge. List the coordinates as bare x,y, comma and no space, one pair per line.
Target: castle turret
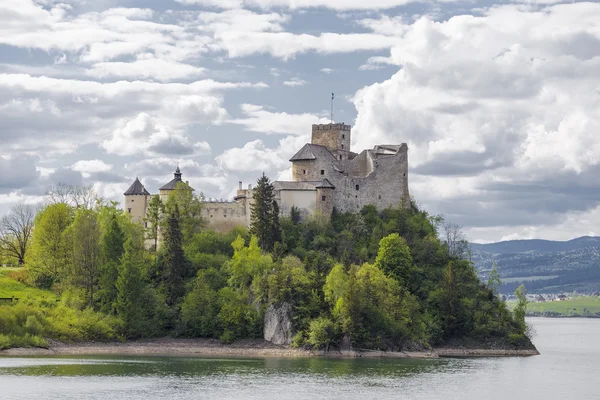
166,189
325,192
136,201
336,137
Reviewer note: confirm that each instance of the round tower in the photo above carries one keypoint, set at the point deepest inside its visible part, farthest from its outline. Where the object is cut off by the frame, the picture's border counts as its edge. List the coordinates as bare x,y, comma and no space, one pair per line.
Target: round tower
136,201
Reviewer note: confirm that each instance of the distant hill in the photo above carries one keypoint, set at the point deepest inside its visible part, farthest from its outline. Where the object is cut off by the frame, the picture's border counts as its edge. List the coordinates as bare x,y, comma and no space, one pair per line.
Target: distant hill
544,266
537,245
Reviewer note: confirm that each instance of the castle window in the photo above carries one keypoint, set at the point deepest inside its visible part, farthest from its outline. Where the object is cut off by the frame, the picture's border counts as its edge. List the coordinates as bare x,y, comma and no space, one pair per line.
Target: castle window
211,216
225,215
340,157
304,171
342,147
132,200
323,198
322,172
129,210
145,224
357,187
343,136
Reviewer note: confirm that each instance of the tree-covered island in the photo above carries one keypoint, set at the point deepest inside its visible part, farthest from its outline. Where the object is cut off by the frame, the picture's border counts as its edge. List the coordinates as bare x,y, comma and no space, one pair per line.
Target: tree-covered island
368,280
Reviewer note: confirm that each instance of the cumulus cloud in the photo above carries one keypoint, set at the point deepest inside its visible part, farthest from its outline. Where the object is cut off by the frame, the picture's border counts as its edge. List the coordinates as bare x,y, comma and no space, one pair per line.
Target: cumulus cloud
145,134
496,115
254,156
91,166
339,5
257,119
295,82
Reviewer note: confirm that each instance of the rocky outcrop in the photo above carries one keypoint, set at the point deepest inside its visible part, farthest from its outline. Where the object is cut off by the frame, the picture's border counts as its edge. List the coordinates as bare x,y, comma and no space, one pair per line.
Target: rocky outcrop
278,324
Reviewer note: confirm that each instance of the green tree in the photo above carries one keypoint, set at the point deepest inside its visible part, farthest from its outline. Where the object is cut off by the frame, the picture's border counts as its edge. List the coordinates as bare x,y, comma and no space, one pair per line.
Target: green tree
154,214
113,247
200,310
189,209
50,255
174,266
494,282
87,257
130,290
394,258
247,263
264,217
521,308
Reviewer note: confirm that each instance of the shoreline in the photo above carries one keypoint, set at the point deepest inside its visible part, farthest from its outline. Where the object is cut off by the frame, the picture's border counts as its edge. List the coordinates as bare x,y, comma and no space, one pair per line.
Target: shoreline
246,348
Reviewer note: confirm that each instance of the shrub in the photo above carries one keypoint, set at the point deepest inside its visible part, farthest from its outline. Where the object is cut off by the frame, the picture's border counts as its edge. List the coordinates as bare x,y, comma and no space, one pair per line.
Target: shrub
320,333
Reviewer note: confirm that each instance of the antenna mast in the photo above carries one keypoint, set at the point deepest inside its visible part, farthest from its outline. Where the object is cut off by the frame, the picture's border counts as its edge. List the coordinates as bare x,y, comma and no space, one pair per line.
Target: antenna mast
332,97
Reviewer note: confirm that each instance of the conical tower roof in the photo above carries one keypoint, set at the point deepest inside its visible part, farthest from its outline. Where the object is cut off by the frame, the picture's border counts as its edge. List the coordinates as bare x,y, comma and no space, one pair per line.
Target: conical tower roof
137,188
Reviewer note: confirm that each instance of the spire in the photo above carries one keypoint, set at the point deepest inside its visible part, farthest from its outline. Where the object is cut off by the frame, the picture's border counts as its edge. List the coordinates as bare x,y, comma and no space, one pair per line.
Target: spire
137,188
177,173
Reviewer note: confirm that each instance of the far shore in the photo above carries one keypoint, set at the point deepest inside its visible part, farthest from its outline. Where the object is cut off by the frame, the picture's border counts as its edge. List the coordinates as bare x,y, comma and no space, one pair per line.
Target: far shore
245,348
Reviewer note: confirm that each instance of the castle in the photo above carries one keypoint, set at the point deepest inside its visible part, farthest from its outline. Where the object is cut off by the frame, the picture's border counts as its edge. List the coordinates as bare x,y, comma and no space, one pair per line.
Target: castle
325,175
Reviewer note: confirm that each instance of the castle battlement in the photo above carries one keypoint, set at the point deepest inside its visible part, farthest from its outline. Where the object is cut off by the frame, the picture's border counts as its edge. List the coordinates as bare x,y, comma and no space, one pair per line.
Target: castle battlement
327,127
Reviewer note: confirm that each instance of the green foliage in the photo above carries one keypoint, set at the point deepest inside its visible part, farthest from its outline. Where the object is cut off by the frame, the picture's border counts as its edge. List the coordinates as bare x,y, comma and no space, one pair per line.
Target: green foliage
86,235
113,246
521,308
494,282
320,333
264,218
174,264
130,289
200,310
380,279
189,209
50,254
156,209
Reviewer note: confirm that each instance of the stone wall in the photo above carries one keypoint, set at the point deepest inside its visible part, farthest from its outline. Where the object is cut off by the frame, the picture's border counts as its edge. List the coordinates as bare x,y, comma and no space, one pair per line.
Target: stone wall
224,216
325,200
386,186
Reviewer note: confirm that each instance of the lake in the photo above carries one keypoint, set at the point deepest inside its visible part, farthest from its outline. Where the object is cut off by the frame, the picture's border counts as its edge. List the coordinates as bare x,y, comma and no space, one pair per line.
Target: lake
568,368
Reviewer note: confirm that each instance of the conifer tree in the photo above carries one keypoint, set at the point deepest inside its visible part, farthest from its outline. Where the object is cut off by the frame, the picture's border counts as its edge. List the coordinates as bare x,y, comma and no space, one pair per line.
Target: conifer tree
130,289
173,260
264,218
113,247
156,209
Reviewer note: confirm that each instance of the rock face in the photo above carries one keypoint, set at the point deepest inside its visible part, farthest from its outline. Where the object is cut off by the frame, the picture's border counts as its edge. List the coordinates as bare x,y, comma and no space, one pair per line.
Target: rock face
278,324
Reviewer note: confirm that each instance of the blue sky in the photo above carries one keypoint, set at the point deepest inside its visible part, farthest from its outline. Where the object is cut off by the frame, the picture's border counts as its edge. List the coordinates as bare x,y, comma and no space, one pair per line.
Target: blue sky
498,102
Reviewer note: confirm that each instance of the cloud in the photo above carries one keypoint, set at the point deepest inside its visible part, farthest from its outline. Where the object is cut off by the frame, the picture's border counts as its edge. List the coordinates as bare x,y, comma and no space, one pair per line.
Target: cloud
327,70
339,5
254,156
146,68
91,166
257,119
501,120
295,82
145,134
286,45
17,172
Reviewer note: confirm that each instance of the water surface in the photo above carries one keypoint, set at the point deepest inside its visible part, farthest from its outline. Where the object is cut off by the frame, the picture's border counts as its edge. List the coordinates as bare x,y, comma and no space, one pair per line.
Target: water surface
568,368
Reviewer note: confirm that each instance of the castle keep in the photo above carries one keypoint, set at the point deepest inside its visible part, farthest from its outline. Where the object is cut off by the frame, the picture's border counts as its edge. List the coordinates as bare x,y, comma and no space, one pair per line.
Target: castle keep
325,175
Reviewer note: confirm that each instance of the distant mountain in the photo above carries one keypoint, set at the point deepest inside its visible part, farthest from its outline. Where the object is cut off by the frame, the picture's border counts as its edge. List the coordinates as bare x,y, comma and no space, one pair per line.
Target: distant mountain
544,266
537,245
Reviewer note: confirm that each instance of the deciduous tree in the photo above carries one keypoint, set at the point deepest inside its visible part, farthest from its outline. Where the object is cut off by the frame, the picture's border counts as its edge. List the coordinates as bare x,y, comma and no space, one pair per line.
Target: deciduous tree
15,231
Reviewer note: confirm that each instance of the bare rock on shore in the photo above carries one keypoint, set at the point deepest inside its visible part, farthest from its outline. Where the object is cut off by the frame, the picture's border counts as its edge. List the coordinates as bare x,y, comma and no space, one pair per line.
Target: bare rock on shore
278,324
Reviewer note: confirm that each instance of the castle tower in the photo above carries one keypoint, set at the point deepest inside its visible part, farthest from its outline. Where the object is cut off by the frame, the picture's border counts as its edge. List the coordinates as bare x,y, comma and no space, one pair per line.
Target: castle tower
166,189
325,192
136,201
336,137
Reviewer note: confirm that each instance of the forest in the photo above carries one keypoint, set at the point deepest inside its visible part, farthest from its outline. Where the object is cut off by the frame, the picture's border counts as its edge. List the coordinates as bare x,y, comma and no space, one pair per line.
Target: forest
378,279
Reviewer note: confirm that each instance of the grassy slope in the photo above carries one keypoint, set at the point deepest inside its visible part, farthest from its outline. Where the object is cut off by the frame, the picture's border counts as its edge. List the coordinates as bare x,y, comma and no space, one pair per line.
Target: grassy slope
10,287
572,307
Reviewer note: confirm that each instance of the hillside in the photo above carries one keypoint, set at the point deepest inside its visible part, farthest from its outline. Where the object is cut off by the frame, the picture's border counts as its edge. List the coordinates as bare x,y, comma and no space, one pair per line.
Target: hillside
544,266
